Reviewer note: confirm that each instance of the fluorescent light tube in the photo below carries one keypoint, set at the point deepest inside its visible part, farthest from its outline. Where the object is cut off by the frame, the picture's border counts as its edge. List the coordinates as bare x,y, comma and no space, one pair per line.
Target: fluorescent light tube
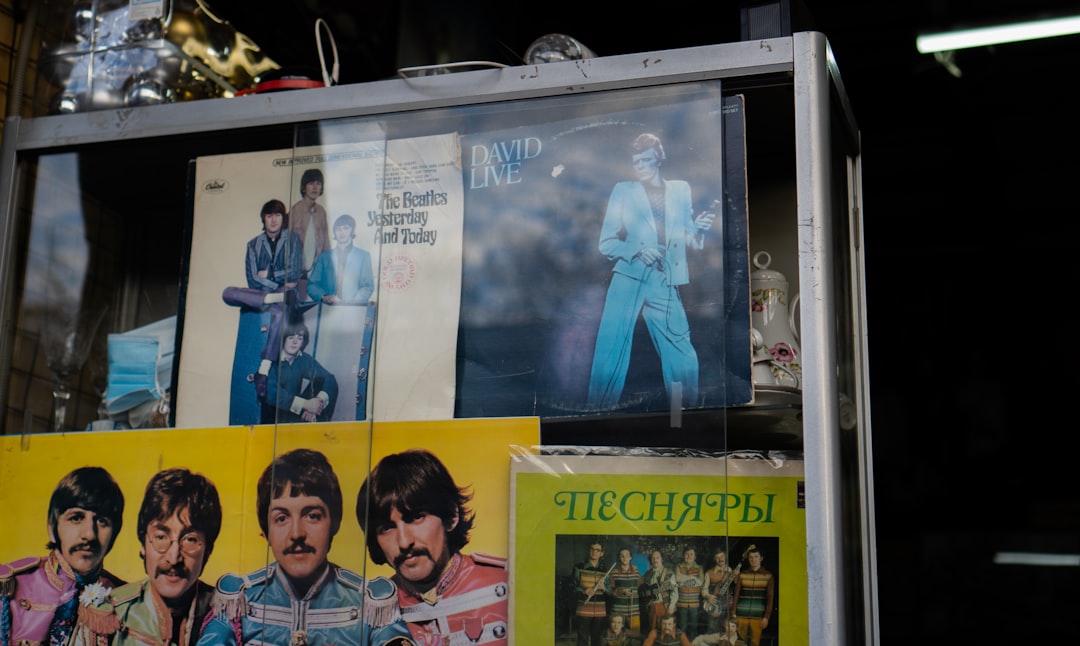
1037,558
1010,33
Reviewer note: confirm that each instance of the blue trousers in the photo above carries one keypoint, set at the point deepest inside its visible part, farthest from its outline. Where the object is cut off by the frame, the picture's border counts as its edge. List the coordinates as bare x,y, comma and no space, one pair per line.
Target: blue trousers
659,304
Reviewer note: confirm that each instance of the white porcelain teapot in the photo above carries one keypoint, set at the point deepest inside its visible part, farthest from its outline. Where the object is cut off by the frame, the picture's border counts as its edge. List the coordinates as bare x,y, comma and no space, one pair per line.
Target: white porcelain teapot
767,371
773,315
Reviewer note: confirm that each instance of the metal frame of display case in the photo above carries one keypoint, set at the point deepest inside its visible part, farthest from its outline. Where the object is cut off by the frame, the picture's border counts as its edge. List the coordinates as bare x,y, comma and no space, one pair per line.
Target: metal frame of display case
841,549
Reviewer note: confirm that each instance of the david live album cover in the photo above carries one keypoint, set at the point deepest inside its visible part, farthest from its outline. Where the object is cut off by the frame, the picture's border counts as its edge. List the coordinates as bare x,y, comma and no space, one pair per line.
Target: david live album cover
605,256
675,545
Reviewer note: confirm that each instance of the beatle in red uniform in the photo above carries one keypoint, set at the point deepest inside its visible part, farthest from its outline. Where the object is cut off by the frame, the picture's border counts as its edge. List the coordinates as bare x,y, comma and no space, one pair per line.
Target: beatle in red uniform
417,520
468,606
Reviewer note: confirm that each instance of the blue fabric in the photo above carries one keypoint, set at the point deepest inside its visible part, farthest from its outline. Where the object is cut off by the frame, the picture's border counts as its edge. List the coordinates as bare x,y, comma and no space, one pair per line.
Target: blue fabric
365,362
304,378
336,610
244,408
64,619
132,377
284,265
357,283
649,291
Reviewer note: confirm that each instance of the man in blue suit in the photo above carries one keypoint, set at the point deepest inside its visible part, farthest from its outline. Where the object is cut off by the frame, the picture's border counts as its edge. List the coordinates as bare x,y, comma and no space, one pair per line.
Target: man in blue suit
648,225
342,274
301,598
273,265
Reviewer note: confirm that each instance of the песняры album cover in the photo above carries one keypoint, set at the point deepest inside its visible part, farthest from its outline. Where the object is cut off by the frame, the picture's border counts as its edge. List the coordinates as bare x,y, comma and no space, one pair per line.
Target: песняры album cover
653,532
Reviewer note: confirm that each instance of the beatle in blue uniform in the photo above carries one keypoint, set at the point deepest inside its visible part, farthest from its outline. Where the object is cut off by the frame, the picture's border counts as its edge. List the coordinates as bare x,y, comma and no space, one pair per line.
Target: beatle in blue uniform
339,609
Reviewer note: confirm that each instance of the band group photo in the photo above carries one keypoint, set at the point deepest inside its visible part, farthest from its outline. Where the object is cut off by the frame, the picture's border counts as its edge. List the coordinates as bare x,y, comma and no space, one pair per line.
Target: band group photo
307,283
414,516
669,590
278,306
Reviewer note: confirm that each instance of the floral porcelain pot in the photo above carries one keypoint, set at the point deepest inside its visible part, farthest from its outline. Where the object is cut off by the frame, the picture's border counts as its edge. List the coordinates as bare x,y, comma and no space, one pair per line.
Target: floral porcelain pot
773,316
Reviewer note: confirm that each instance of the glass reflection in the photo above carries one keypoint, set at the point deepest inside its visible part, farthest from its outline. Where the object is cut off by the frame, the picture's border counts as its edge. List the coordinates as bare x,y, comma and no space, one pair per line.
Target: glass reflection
56,279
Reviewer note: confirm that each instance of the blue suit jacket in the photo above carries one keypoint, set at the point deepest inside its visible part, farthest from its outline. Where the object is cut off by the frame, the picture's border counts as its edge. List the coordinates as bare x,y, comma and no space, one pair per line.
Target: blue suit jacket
358,283
341,609
284,265
629,227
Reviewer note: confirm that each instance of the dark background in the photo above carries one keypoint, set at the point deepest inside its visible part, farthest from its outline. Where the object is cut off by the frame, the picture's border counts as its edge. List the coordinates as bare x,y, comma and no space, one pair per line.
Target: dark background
969,229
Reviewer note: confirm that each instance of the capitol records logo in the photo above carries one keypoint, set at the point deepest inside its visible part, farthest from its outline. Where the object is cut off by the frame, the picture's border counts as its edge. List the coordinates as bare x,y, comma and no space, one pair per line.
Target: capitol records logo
398,273
215,186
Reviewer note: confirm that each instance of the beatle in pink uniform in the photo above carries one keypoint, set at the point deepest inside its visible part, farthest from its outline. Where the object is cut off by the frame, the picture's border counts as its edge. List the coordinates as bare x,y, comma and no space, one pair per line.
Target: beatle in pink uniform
32,589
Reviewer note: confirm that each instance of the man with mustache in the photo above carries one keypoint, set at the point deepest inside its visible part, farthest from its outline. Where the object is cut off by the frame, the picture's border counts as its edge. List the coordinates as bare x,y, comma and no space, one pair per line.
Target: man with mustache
729,637
668,634
626,583
660,590
39,595
179,522
302,598
416,518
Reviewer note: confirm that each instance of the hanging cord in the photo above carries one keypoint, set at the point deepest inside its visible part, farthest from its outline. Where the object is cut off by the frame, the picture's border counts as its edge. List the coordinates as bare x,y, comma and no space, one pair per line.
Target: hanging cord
22,60
333,74
206,10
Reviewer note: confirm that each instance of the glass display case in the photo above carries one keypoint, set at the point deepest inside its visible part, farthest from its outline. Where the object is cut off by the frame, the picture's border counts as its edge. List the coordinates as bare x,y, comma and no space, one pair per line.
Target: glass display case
482,244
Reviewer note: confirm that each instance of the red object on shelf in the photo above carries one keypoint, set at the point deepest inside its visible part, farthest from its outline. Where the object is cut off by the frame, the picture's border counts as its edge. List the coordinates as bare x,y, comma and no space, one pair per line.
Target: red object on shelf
280,80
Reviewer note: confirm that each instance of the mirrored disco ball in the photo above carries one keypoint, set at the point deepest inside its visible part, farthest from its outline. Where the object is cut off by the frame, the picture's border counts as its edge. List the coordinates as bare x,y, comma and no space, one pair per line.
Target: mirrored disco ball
552,48
143,89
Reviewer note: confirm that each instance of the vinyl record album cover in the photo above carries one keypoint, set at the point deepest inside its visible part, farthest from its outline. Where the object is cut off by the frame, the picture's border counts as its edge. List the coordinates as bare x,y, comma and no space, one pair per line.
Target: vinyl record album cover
639,537
324,244
605,261
475,453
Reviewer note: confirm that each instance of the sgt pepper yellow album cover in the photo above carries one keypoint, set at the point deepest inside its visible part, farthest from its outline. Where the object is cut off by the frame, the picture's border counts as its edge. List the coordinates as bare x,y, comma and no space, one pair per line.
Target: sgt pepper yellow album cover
643,538
35,469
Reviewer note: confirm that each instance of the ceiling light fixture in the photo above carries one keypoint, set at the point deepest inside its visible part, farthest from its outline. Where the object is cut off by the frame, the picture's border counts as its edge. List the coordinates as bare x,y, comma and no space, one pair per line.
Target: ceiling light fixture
1009,33
1037,558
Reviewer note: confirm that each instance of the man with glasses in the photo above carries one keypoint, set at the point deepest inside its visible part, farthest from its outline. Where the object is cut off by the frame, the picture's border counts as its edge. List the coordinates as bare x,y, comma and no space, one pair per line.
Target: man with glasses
590,586
178,523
